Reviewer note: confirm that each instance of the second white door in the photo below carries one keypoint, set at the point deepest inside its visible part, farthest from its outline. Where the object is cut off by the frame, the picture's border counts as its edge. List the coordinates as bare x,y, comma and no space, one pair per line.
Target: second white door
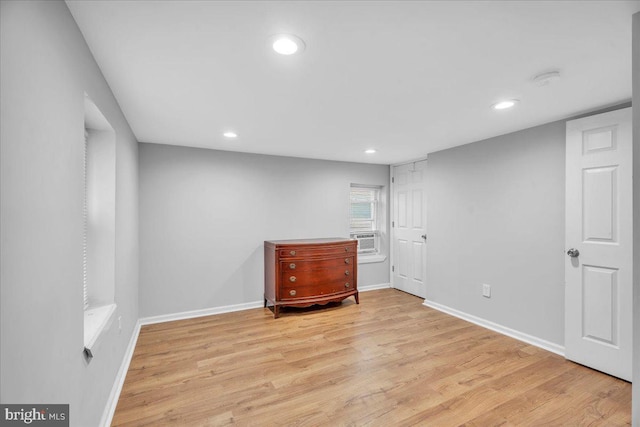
598,295
410,228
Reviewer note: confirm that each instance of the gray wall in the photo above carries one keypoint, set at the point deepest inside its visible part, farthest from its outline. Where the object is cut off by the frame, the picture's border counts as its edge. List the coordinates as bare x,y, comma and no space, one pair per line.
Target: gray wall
496,215
45,68
636,219
204,215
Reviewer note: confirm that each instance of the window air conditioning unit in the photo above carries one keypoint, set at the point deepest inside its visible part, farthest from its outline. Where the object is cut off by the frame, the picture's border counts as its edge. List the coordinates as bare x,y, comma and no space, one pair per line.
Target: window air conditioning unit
367,242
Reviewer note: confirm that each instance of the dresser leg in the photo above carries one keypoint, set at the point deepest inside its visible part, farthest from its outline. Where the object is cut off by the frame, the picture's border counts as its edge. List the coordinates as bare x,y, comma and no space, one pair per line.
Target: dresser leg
357,298
265,303
276,311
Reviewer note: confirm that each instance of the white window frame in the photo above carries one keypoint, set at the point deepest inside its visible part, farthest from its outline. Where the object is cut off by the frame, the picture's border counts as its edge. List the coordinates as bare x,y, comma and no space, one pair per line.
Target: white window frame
375,220
98,294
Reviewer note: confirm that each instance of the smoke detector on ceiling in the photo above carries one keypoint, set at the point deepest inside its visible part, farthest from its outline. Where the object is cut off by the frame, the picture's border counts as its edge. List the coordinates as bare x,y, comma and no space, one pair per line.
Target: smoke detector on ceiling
545,79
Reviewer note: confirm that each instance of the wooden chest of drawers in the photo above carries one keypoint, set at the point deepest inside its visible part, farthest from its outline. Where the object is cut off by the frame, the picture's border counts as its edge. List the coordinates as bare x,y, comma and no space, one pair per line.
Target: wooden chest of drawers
301,273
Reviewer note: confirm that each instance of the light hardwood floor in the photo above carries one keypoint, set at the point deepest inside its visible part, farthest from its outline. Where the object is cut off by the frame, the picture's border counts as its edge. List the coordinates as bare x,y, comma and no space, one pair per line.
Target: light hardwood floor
388,362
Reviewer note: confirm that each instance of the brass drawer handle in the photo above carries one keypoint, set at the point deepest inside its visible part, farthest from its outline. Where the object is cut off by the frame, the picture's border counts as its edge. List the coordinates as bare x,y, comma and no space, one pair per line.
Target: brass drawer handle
292,292
292,253
292,266
292,278
347,261
346,249
347,285
347,272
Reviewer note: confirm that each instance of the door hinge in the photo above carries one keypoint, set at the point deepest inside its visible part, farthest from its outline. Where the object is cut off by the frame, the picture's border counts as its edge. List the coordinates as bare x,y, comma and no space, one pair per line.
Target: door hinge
393,223
393,179
393,268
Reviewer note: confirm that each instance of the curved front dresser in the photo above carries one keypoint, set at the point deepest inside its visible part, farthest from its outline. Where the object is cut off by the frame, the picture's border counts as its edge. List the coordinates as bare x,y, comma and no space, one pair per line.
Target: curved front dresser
300,273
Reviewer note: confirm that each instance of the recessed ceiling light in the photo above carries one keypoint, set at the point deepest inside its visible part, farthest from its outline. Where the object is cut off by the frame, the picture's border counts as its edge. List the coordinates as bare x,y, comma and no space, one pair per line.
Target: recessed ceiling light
503,105
370,151
287,44
230,134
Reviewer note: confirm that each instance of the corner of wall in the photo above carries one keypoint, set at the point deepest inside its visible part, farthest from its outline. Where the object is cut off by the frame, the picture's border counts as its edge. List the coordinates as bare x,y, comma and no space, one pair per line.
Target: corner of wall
636,218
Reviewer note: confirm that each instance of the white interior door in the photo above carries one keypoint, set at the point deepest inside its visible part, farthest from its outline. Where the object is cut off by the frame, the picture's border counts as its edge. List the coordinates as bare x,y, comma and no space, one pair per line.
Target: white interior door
598,293
410,228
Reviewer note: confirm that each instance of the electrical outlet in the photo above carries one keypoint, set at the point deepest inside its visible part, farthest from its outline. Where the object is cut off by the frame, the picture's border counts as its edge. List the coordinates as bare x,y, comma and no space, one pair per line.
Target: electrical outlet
486,290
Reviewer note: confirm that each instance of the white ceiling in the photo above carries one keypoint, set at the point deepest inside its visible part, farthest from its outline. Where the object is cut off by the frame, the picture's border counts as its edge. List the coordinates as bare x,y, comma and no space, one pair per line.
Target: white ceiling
405,78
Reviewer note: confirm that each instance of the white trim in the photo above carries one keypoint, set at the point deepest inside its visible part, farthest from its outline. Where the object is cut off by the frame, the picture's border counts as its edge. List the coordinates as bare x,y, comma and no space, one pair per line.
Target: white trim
229,308
112,402
374,287
199,313
529,339
369,259
96,321
419,159
392,230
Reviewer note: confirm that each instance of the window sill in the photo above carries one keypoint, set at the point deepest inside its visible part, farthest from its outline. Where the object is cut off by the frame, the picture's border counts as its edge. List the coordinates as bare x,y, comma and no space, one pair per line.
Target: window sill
96,320
369,259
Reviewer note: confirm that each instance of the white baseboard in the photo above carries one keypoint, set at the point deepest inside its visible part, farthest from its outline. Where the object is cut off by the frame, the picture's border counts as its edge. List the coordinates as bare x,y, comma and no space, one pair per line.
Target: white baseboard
374,287
110,409
229,308
529,339
199,313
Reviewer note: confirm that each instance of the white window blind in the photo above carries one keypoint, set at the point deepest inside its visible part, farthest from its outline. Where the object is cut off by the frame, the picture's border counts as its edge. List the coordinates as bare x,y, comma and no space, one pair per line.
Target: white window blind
364,207
85,291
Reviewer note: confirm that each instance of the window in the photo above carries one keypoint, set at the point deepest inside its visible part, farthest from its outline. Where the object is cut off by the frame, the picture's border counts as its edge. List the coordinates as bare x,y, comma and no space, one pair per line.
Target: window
99,224
364,216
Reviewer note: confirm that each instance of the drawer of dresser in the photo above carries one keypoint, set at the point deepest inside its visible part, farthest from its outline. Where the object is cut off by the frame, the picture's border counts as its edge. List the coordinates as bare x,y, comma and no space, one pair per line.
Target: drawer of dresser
306,252
295,292
320,264
316,277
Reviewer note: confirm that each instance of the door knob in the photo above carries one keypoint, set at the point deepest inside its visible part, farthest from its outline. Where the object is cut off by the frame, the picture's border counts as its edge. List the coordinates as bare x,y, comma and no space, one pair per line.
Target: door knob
424,236
573,252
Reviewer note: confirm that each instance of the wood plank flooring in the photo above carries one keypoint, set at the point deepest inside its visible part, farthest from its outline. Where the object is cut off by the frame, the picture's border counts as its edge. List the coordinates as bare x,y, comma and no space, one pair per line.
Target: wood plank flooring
387,362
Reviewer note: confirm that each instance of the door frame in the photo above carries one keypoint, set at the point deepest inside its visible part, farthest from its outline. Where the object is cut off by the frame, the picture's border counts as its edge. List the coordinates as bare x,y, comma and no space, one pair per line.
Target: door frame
392,218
